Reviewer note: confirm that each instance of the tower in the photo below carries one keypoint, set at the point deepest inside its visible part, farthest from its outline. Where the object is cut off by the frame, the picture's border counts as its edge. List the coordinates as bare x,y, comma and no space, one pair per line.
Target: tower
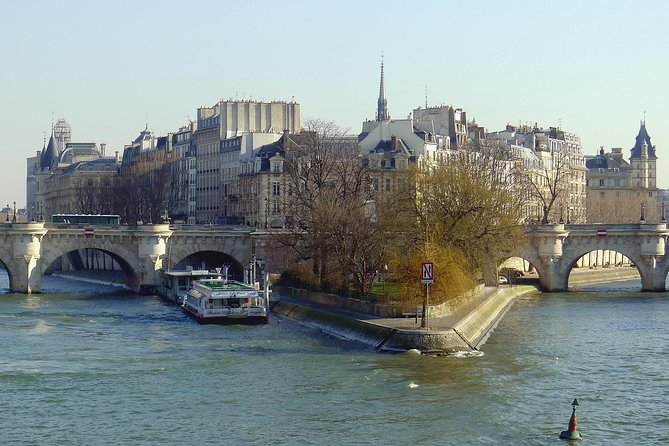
643,160
382,105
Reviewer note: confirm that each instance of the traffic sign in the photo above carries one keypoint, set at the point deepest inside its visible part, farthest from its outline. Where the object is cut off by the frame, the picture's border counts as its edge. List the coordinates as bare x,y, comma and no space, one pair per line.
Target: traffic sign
427,272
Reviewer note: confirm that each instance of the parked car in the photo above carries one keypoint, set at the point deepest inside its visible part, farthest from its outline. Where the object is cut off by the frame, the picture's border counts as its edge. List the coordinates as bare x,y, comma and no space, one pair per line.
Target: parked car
511,274
502,280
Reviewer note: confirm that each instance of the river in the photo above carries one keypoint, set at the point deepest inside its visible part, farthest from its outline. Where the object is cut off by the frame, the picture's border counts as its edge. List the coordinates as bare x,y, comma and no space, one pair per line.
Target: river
86,365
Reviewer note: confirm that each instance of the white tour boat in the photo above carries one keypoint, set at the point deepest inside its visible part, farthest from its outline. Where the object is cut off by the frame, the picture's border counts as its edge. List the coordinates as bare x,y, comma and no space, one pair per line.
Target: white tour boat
176,283
222,301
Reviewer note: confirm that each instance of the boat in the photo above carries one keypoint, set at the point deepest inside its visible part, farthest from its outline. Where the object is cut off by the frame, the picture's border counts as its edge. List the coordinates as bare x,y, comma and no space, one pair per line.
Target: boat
222,301
176,283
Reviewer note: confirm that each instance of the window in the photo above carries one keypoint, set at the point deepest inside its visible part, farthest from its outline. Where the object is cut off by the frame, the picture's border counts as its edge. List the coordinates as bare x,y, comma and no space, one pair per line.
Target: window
276,188
387,183
601,182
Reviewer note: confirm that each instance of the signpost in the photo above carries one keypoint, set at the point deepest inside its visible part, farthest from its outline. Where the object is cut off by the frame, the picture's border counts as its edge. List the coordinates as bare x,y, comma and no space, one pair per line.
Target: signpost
427,277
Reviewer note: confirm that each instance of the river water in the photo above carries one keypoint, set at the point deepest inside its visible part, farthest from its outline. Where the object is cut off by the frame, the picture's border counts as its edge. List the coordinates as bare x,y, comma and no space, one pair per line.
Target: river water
86,365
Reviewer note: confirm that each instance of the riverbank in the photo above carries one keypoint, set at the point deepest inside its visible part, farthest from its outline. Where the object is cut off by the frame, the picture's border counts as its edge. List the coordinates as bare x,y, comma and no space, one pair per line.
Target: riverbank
465,328
100,277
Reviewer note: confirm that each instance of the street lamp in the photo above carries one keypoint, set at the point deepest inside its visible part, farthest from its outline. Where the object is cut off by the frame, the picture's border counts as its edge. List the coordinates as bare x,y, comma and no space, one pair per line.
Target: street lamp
266,211
32,212
14,218
7,208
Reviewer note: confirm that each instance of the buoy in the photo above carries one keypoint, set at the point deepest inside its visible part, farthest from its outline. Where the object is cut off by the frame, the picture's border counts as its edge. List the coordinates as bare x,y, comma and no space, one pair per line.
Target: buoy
571,433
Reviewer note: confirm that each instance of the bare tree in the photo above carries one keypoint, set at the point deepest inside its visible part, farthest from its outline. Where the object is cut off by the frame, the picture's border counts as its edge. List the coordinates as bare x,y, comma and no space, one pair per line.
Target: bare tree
332,210
146,188
93,194
547,184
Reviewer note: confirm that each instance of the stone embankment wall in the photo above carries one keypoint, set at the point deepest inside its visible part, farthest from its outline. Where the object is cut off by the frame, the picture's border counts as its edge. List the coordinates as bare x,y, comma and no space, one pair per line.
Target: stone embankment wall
467,333
364,307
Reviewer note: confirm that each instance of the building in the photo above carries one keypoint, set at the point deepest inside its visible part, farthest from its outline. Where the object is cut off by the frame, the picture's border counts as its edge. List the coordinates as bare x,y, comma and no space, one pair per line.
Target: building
621,191
548,163
183,147
69,177
444,121
226,134
393,142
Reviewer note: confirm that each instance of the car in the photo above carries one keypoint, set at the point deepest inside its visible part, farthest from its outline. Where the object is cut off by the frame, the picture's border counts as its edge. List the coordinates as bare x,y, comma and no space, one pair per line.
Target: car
502,280
511,274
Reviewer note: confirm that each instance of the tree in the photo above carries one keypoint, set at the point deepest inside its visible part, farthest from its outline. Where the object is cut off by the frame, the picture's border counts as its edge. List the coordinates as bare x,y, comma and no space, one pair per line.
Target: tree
93,194
466,208
146,188
546,184
335,221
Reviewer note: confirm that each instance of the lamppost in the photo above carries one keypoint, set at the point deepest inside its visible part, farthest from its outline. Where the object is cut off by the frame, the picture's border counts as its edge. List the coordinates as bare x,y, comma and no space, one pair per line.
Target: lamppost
7,208
14,218
32,212
266,211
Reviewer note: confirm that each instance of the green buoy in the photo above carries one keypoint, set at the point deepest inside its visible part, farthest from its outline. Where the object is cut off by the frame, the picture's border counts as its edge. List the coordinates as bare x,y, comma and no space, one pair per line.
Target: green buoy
571,433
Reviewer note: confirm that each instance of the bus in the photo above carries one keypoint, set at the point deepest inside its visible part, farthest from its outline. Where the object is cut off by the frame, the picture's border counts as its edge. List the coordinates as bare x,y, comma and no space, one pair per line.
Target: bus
86,219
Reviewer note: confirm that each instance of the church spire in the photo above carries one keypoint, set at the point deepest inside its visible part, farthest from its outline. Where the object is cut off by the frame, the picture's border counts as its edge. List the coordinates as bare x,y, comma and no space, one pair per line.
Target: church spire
382,105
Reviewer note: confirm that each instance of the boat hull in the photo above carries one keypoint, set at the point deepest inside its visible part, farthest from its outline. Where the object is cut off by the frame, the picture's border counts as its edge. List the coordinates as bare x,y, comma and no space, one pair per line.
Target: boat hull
227,320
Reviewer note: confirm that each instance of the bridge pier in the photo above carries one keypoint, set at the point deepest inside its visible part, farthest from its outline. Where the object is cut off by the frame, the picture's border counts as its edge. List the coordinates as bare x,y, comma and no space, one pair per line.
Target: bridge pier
26,249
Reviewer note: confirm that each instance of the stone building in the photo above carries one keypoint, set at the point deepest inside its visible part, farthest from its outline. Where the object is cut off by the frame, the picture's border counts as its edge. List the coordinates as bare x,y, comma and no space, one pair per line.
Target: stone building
68,181
444,121
621,191
222,141
547,159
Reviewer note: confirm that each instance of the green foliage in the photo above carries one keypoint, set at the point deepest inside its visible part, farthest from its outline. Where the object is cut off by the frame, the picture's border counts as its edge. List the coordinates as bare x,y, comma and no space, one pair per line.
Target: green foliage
300,275
453,276
462,215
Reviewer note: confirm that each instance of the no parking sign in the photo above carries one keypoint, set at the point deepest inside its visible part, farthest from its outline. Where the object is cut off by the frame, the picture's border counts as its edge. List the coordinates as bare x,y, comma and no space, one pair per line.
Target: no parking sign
427,272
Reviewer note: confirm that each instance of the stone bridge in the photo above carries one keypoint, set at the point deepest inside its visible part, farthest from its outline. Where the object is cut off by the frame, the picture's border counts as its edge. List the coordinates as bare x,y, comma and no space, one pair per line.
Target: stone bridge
554,250
27,250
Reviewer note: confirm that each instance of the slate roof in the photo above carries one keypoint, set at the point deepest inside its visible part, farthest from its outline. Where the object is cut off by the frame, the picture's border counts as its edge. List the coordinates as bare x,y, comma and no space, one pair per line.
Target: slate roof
605,162
640,138
49,154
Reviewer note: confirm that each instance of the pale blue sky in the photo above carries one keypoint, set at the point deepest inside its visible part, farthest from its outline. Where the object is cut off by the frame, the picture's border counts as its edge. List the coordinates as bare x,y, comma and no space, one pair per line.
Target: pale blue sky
593,66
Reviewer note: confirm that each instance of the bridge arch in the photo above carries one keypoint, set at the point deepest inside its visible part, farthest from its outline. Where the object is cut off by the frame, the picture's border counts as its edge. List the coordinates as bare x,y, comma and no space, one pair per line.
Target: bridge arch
128,261
571,261
10,265
529,255
207,259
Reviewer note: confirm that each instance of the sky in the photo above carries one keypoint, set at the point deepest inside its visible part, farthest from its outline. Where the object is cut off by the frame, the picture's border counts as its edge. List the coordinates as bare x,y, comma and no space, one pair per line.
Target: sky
596,68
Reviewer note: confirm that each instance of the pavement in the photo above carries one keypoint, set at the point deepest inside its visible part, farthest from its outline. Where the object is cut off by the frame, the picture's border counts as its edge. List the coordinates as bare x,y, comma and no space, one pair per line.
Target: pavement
447,322
436,323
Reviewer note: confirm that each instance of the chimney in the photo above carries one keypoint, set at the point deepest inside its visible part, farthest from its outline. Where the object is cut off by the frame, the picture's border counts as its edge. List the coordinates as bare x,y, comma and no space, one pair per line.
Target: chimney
102,148
393,142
